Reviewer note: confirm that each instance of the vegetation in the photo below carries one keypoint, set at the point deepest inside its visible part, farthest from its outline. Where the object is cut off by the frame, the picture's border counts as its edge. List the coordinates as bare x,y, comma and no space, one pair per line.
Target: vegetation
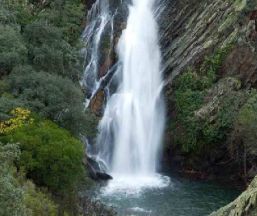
40,64
19,196
41,107
192,88
49,155
243,138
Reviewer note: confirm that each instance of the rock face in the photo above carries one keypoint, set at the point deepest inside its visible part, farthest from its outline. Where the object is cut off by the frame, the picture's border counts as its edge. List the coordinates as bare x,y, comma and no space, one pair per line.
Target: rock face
242,63
193,29
244,205
191,32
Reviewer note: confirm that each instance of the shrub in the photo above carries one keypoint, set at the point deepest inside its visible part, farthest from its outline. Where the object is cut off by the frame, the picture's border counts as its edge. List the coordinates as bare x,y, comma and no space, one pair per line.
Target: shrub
7,104
11,194
48,50
52,97
20,118
68,16
37,202
193,134
18,196
12,50
49,154
18,12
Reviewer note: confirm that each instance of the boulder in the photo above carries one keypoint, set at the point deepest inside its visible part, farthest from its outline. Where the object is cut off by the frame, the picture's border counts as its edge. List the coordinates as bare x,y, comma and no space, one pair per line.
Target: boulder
95,170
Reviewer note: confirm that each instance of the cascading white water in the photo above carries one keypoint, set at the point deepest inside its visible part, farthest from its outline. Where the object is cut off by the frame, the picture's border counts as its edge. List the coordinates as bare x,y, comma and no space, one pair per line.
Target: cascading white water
99,27
134,116
138,105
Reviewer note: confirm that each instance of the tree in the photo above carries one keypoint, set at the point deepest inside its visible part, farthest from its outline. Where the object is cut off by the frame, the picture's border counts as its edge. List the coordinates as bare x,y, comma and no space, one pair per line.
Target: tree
48,51
18,196
52,97
12,49
49,155
11,194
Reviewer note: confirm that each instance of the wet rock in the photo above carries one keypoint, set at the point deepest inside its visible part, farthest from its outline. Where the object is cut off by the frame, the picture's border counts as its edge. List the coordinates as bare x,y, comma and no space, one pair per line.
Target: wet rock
193,29
95,171
96,103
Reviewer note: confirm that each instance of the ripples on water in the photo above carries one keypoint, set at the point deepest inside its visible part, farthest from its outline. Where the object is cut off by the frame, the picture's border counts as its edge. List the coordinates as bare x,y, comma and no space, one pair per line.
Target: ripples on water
163,196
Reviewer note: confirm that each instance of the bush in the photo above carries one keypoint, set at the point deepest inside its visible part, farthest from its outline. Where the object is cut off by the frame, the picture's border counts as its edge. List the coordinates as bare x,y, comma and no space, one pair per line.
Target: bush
67,15
52,97
193,90
12,50
7,104
48,50
17,195
18,12
49,154
37,202
11,194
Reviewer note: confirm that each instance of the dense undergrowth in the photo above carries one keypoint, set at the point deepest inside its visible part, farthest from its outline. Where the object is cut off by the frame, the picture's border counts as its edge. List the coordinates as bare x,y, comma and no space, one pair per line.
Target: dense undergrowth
191,90
41,107
215,118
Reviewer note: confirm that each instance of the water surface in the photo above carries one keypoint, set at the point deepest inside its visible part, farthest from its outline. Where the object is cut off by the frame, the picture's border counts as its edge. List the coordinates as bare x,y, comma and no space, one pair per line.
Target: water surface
181,197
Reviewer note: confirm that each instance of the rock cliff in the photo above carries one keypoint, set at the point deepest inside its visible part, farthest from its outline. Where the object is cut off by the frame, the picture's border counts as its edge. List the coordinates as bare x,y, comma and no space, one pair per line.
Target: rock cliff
210,64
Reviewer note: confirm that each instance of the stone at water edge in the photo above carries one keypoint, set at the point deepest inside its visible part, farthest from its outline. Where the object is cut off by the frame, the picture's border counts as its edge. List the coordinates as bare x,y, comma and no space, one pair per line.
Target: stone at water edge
95,172
244,205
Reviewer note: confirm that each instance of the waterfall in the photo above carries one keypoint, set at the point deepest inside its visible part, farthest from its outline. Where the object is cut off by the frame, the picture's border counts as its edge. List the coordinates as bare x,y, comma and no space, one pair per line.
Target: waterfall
99,28
137,107
131,130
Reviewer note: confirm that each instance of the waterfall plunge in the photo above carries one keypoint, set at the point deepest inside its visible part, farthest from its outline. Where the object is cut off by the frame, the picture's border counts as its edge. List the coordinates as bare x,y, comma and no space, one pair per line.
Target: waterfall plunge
134,116
138,107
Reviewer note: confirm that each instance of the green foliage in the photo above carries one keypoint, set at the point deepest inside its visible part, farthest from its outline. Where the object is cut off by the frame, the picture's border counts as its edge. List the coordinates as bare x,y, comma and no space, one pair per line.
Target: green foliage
189,97
66,15
221,126
212,64
37,202
6,16
19,11
39,44
48,51
50,155
52,97
246,125
193,133
19,197
40,66
12,50
11,194
8,103
3,87
186,103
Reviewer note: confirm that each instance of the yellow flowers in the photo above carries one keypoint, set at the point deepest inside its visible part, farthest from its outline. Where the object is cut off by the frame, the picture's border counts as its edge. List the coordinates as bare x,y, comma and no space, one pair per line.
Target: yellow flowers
21,117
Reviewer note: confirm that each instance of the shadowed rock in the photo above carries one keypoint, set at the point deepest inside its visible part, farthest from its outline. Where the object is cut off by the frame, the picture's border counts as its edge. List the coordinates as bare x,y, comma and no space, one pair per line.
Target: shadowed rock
95,171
